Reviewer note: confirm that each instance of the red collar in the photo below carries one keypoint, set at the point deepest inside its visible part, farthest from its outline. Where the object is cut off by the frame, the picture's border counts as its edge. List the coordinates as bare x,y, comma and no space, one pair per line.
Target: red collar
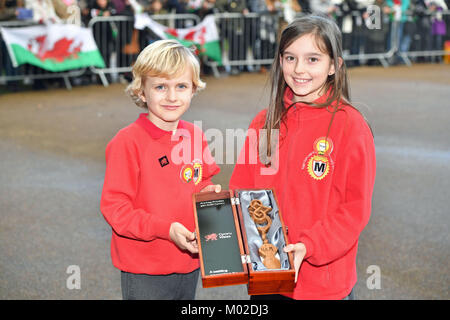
156,132
289,97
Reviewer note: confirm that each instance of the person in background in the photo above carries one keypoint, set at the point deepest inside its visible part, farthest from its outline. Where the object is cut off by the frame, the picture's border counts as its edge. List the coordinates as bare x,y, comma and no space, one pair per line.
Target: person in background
85,12
105,32
12,10
157,7
43,11
290,9
356,31
375,41
102,8
263,30
304,5
397,38
68,10
152,8
438,27
208,7
234,30
177,6
193,6
322,6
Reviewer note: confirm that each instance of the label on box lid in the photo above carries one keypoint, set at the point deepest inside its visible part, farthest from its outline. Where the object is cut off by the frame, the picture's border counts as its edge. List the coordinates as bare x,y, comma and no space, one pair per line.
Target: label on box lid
218,239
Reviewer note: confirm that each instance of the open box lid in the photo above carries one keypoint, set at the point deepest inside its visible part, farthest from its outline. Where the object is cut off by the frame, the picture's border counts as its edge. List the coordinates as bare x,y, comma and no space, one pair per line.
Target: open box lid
221,251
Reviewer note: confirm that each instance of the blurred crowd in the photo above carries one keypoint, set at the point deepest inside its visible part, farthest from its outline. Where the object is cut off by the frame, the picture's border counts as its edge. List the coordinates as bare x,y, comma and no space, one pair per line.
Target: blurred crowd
371,26
58,11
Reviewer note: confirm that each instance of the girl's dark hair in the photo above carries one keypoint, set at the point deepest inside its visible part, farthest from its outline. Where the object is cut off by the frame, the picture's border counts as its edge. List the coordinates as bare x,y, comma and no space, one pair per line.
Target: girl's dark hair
329,40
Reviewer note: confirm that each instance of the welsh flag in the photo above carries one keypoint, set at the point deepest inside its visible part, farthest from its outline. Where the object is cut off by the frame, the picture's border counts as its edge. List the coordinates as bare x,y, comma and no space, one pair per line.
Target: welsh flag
55,47
204,35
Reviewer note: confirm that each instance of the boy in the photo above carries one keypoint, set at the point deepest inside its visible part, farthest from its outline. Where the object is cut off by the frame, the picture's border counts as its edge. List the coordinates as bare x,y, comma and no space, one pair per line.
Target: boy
149,179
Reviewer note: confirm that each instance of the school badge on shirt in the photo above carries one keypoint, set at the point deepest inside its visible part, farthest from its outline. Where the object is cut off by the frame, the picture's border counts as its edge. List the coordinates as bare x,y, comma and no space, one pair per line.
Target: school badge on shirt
192,172
319,163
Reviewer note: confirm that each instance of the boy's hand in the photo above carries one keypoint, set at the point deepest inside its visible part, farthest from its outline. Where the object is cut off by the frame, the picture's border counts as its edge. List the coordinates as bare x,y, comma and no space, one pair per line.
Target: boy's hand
299,250
212,187
183,238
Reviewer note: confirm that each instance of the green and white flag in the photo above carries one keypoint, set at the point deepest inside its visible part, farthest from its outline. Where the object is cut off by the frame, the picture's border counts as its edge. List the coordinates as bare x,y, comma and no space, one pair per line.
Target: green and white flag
55,47
204,35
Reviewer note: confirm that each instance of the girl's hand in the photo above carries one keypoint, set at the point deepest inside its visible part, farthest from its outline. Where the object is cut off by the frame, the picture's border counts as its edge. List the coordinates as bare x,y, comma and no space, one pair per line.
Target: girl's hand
212,187
299,251
183,238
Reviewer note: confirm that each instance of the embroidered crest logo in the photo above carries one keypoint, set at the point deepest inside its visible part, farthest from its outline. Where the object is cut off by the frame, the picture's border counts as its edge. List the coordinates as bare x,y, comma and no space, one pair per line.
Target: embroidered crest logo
187,172
192,172
319,162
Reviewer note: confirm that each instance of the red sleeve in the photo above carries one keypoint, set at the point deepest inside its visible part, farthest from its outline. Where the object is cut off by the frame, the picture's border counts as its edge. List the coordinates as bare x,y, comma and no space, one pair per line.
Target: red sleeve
210,168
119,191
332,237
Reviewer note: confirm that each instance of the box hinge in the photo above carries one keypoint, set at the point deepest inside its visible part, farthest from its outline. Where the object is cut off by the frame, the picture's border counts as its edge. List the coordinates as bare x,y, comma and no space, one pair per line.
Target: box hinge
245,258
235,201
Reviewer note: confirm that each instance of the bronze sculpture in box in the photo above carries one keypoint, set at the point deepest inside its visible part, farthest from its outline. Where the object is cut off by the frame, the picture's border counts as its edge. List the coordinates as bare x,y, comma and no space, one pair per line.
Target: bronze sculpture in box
260,216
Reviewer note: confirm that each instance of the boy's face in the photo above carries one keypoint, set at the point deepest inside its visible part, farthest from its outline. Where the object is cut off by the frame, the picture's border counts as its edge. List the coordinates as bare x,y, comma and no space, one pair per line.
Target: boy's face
168,99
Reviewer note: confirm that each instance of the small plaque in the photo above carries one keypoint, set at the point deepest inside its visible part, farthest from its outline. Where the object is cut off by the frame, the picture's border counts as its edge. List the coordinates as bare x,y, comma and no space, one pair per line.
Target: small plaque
219,243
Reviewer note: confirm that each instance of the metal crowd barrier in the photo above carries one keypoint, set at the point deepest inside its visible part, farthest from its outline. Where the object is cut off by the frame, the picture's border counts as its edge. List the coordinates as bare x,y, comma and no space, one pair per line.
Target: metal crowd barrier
28,72
382,42
363,41
250,40
424,44
247,41
119,43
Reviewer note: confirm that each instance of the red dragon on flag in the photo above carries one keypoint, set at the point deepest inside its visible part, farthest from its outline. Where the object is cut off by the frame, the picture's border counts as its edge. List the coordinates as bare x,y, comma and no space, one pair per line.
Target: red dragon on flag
62,49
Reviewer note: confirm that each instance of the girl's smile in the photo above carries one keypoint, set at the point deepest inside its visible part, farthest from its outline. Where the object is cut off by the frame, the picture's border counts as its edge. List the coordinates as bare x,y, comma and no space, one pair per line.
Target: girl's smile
301,81
306,68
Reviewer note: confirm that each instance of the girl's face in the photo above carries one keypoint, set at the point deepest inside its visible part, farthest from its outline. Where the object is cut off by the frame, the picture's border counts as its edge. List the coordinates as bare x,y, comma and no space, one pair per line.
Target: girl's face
306,68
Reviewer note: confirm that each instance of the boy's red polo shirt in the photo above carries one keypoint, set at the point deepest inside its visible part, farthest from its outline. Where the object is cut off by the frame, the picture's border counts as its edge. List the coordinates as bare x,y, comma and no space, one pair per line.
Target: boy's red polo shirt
150,177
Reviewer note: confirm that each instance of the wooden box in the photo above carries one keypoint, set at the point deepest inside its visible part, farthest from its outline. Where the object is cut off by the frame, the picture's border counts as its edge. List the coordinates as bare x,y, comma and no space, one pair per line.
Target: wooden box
229,242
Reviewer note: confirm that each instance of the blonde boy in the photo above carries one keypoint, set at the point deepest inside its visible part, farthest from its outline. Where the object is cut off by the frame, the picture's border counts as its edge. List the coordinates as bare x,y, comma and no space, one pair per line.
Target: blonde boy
147,195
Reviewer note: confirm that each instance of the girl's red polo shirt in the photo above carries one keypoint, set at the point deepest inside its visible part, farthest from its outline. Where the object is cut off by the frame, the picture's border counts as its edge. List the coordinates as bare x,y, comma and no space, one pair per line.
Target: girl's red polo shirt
324,189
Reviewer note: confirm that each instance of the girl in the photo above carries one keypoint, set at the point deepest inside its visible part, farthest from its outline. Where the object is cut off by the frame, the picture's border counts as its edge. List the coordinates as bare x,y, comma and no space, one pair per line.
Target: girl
321,166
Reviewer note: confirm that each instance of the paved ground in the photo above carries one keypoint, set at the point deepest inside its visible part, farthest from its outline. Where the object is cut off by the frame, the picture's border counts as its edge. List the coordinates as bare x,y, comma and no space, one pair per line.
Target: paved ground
52,167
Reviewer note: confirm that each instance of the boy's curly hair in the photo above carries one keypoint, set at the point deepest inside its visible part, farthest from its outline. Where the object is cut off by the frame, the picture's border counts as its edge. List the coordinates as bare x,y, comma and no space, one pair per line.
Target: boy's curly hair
164,59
